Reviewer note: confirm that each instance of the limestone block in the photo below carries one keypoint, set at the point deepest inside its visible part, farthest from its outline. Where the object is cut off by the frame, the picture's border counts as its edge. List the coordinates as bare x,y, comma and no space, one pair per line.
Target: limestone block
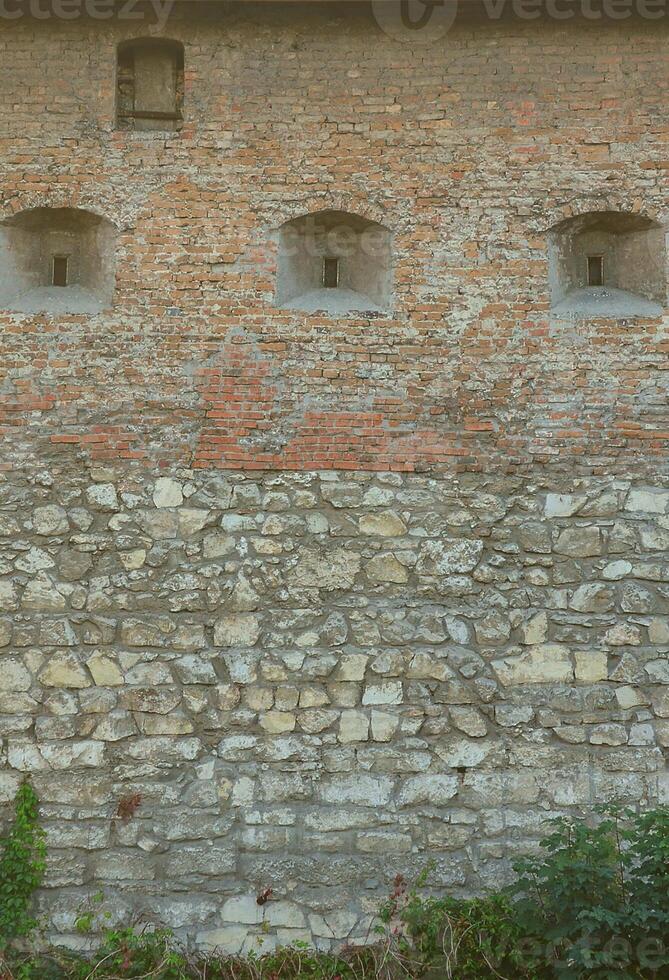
563,504
168,492
635,598
14,675
593,597
243,909
534,538
278,722
352,667
115,726
64,670
658,671
493,629
590,666
42,594
623,634
56,633
616,570
34,560
316,720
655,538
132,560
359,789
175,723
436,790
353,727
548,663
285,914
50,520
217,544
102,497
535,630
151,700
468,720
227,939
195,670
192,520
9,597
389,692
449,557
387,524
386,568
327,570
461,753
579,542
658,630
510,715
630,697
383,842
608,734
72,564
384,726
641,734
648,501
237,630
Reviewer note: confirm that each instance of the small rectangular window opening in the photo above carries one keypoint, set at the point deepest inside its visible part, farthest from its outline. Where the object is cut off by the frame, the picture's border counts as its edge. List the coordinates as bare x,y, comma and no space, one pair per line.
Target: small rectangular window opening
330,273
59,277
595,270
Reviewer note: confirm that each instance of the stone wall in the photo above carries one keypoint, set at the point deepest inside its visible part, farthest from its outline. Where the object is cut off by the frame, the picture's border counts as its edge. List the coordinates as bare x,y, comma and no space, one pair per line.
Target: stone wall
311,682
302,601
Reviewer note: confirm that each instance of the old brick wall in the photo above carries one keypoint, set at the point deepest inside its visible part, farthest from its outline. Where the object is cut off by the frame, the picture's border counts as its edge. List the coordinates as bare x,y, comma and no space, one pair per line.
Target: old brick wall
439,615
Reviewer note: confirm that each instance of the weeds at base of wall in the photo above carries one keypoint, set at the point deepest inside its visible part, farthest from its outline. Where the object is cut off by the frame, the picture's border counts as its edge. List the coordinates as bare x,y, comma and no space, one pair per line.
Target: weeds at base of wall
594,905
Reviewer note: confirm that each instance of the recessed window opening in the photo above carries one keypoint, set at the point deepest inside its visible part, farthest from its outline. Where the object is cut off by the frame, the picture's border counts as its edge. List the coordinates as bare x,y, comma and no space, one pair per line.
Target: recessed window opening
57,260
624,252
336,263
150,85
595,270
59,271
330,273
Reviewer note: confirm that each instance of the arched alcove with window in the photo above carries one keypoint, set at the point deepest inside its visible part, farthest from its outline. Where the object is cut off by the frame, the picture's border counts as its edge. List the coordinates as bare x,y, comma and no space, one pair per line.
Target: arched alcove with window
150,85
57,260
336,263
608,263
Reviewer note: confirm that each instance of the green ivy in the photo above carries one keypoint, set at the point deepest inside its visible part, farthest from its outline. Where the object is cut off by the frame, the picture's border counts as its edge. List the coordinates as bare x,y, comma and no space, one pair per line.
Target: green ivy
592,905
22,864
595,905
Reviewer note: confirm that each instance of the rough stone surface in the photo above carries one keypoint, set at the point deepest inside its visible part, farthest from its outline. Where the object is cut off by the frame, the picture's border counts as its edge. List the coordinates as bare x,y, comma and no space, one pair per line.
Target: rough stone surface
289,718
333,596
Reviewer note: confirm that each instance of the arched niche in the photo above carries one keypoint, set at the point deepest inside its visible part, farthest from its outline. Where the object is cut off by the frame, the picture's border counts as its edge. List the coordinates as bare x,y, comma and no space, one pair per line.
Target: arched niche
57,260
608,263
150,85
336,263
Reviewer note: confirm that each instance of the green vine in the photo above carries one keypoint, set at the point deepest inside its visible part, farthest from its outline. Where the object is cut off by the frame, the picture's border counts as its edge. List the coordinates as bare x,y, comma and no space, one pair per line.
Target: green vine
22,865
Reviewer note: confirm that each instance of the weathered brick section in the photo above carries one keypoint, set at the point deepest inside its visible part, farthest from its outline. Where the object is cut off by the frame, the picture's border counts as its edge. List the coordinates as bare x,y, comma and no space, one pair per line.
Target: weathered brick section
469,150
333,595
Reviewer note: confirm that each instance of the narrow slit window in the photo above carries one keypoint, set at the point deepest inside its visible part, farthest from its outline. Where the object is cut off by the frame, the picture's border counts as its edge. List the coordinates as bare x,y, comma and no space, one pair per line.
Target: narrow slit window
60,270
330,273
595,270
